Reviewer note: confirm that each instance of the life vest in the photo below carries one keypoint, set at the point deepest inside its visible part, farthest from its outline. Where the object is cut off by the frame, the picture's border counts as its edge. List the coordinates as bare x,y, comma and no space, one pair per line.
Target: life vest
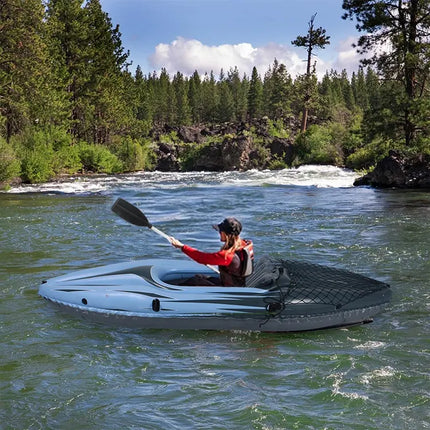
241,266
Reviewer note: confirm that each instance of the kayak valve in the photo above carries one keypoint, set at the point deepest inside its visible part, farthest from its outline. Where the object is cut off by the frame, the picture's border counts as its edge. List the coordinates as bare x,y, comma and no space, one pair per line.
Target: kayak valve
156,305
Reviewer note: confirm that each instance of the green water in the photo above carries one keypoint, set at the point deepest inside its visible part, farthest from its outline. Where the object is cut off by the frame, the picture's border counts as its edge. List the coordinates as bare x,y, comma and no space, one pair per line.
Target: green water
58,372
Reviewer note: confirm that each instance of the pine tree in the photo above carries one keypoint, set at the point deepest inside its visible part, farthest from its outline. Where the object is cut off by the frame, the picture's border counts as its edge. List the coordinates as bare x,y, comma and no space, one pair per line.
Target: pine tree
28,92
105,89
315,38
181,109
361,96
225,108
255,95
68,30
404,27
239,90
210,98
161,99
277,91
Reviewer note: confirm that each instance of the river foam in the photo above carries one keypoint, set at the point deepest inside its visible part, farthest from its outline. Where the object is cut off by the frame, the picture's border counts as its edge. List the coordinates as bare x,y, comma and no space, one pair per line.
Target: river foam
307,176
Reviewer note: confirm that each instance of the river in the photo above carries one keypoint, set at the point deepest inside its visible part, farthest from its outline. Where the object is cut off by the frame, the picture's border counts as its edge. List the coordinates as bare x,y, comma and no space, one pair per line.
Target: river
57,371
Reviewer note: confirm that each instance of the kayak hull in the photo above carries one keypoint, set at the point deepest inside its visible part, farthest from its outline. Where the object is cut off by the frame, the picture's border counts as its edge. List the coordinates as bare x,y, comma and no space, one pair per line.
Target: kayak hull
141,294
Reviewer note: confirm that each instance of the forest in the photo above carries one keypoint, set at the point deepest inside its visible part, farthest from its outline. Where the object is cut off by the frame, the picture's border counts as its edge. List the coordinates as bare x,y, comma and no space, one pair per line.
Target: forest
69,103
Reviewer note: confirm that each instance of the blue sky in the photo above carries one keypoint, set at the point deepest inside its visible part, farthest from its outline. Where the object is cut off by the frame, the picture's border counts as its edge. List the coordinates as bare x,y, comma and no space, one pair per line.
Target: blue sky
205,35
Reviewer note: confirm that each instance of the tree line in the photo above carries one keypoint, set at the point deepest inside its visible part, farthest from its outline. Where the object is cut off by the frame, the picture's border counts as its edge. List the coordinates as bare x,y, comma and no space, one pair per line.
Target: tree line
69,103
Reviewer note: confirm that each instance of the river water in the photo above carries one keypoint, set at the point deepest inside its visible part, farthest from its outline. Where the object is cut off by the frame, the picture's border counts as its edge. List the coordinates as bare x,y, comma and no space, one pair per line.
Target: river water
58,372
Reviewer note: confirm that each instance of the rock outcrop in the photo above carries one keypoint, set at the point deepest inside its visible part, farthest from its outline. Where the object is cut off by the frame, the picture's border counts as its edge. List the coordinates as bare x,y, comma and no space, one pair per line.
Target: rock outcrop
235,148
397,171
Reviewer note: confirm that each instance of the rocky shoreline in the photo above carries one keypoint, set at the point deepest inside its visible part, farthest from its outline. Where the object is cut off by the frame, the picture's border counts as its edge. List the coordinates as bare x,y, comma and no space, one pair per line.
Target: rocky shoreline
397,171
237,151
241,147
231,147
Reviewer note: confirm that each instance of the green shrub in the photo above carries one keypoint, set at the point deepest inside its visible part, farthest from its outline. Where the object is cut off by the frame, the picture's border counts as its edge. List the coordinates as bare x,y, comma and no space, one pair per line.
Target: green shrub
67,160
277,129
277,163
189,154
320,145
34,147
134,154
367,156
98,159
36,165
9,163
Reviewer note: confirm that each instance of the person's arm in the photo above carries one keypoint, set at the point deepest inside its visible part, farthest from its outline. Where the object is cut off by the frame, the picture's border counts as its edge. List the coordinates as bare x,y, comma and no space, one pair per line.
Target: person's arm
220,258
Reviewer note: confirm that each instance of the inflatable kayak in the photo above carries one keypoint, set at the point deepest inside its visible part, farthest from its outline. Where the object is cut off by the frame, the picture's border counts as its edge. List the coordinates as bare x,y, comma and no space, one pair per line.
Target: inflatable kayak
280,296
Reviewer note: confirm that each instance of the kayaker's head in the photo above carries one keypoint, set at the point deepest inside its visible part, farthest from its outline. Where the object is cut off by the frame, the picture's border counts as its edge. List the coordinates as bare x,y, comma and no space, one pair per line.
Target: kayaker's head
230,226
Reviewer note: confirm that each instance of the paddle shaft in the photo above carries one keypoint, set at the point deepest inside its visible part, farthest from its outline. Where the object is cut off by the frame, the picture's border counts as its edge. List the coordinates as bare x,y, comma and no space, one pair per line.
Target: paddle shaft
155,229
135,216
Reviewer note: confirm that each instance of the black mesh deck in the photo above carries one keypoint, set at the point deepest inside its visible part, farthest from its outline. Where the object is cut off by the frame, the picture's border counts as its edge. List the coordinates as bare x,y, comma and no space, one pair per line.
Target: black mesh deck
304,282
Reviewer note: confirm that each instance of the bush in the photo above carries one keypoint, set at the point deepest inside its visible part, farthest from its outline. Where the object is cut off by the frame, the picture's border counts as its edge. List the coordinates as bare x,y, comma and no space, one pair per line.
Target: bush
190,153
277,163
67,160
98,159
133,154
367,156
9,163
36,165
320,145
36,153
277,129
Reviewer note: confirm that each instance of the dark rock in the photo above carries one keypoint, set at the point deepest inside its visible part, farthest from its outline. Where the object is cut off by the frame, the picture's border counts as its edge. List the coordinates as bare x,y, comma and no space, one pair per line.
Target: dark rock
210,159
235,154
166,158
231,154
283,149
190,134
396,171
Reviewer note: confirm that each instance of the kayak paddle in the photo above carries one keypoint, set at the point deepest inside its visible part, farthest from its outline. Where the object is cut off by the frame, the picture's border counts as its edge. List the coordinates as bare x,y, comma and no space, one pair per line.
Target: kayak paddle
135,216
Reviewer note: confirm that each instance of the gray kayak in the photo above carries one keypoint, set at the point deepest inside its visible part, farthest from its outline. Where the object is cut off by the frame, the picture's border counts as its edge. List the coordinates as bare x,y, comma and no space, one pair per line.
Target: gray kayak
280,296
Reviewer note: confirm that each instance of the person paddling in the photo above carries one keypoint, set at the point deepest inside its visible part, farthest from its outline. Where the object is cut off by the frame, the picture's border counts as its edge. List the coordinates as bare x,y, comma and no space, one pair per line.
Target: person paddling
234,259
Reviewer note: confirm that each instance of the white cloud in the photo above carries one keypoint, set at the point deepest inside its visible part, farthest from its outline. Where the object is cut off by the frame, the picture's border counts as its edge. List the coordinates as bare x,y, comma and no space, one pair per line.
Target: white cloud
347,56
188,55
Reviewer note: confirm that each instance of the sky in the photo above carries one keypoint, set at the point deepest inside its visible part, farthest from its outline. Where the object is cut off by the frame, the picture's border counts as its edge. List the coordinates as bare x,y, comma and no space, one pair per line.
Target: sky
210,35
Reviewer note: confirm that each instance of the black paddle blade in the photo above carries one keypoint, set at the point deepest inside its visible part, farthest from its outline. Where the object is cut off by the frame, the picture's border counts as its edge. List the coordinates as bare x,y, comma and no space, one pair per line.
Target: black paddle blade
130,213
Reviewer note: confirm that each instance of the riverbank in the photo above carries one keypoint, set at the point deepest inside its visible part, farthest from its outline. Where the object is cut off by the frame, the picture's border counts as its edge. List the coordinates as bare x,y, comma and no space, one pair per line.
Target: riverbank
240,147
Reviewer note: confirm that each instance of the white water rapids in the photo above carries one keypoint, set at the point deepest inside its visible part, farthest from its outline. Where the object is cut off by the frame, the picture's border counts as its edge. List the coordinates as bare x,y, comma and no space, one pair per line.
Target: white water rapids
308,176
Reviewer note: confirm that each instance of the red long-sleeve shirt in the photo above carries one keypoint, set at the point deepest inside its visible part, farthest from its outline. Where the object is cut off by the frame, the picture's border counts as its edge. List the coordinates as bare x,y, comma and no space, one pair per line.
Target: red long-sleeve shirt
220,258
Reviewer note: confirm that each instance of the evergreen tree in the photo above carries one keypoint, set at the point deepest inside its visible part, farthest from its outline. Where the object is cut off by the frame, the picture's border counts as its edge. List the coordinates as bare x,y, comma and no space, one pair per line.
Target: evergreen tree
403,26
161,99
195,97
225,108
315,38
68,30
239,90
358,84
105,89
347,93
28,91
181,109
255,95
210,99
144,99
93,59
277,91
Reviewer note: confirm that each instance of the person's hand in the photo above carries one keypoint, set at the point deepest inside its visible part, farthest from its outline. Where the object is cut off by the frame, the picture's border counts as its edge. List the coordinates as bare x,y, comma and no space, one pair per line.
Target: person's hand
176,243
